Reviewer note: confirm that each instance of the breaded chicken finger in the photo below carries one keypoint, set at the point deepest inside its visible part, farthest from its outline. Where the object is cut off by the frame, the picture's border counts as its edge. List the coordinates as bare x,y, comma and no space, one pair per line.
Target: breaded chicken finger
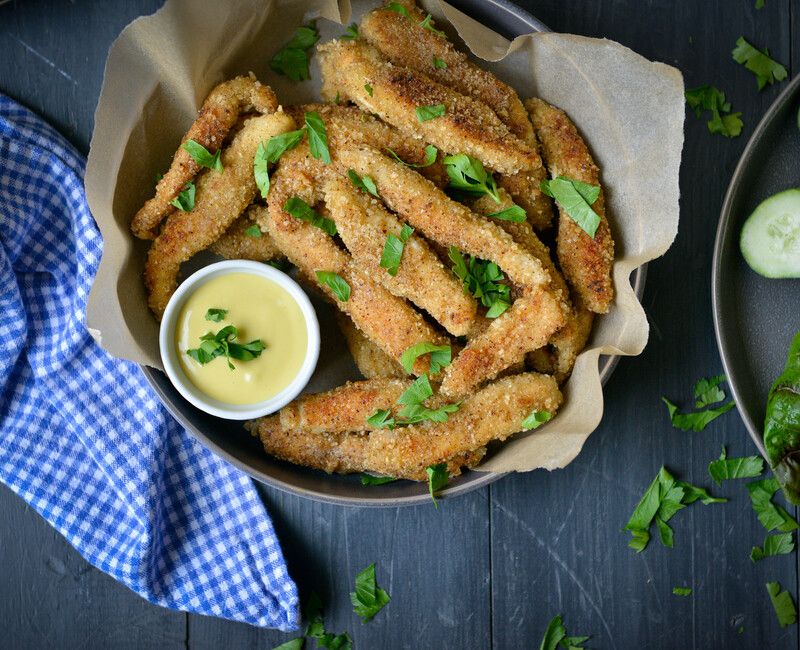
220,198
237,243
464,126
386,319
493,413
221,110
585,261
364,224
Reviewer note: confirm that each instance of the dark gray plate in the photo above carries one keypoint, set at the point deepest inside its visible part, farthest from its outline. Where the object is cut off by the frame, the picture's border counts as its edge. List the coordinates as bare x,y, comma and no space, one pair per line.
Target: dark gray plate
231,441
755,317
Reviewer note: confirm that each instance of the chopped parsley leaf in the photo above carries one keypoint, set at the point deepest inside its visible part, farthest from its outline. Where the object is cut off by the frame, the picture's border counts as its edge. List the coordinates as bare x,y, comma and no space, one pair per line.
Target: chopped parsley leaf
468,174
427,23
335,283
381,419
514,213
555,636
317,137
351,33
202,156
398,8
292,59
708,392
393,249
368,599
185,200
682,591
253,231
771,515
712,99
576,198
482,279
440,356
369,479
766,69
364,183
425,113
438,478
535,420
783,604
223,344
439,63
299,209
779,544
729,468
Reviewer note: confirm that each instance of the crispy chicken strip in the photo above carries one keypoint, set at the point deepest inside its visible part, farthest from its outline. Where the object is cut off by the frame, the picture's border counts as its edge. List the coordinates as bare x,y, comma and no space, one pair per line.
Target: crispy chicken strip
585,261
237,244
493,413
218,114
371,361
568,341
404,42
350,126
527,325
467,126
386,319
220,198
364,224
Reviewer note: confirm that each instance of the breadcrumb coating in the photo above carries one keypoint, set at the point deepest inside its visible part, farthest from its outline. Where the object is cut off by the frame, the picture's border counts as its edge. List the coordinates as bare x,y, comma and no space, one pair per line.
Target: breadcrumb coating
372,362
218,114
237,244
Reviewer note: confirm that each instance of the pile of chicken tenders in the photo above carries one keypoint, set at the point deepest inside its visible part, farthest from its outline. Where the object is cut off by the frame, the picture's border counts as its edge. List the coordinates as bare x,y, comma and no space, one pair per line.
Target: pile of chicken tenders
460,232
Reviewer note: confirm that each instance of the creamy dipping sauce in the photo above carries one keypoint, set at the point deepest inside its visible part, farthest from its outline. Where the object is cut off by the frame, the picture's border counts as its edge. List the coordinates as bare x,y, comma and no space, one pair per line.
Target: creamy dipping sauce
259,309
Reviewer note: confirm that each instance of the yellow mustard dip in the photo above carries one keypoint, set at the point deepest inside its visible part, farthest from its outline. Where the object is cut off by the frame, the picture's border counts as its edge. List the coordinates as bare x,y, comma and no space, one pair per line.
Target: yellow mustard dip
259,309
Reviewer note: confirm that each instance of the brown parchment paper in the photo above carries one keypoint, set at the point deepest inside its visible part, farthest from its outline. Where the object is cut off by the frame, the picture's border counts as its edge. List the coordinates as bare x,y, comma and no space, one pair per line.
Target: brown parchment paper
161,67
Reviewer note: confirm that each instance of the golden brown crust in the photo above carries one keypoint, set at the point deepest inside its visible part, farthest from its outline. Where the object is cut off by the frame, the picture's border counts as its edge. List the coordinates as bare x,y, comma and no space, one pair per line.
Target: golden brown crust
493,413
220,198
372,362
467,126
364,224
218,114
585,261
237,244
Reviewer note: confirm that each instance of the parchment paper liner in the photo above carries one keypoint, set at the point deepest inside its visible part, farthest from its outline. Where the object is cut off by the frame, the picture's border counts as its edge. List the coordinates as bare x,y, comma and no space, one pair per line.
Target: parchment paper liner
162,66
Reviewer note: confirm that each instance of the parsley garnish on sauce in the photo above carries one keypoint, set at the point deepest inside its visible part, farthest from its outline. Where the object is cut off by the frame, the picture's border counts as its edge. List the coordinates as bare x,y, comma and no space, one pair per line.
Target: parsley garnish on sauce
393,249
299,209
364,183
430,157
780,544
335,283
425,113
766,69
202,156
783,604
555,636
368,598
482,279
706,392
661,501
729,468
712,99
771,515
185,200
440,356
215,315
576,198
317,137
292,59
468,174
438,478
223,344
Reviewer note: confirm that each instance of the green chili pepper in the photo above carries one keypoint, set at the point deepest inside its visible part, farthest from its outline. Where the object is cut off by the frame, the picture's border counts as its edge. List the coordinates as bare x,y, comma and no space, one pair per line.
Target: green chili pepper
782,425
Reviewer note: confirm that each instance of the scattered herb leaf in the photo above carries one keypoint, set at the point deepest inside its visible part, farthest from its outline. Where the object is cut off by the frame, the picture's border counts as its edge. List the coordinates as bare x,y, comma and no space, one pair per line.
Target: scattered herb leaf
440,356
335,283
729,468
482,279
514,213
439,63
393,250
438,477
381,419
317,137
293,644
766,69
261,170
535,420
185,200
771,515
368,88
398,8
351,33
694,421
469,175
708,392
299,209
783,604
425,113
682,591
202,156
712,99
779,544
368,599
427,23
555,636
292,59
364,183
369,479
576,198
430,157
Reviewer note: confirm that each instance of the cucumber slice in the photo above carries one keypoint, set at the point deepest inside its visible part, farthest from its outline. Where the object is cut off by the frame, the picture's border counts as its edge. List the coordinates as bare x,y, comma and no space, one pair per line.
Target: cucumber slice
770,239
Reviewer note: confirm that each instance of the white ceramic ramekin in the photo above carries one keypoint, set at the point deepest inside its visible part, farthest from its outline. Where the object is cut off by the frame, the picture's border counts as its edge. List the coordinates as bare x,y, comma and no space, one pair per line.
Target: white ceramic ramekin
169,352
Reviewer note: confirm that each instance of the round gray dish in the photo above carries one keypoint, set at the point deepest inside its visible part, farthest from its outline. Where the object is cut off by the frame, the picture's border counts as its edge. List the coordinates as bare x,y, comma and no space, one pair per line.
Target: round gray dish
230,441
755,317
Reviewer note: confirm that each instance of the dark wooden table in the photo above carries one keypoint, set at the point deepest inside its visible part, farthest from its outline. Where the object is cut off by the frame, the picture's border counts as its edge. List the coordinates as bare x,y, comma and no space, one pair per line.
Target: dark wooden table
489,569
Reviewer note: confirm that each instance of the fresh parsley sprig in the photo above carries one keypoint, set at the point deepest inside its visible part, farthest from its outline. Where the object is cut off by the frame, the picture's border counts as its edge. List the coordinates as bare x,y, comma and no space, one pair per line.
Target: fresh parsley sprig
393,249
483,279
712,99
223,344
576,198
766,69
368,598
292,59
468,174
202,156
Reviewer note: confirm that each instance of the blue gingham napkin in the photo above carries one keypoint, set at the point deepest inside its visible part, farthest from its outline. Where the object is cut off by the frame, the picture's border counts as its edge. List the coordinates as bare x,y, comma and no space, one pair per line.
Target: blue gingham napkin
85,441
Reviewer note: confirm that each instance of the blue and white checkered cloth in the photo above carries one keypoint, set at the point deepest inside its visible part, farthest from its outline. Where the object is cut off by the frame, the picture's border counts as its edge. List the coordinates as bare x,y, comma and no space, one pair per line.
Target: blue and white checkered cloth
85,441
